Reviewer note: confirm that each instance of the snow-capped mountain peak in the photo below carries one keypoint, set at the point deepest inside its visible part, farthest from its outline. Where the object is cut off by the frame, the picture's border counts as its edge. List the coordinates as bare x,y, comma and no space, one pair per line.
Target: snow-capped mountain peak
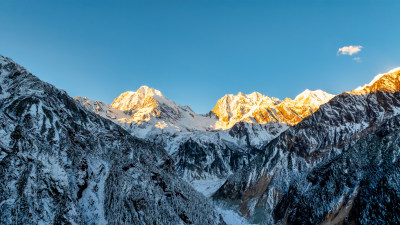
314,98
133,100
256,107
149,91
389,82
147,112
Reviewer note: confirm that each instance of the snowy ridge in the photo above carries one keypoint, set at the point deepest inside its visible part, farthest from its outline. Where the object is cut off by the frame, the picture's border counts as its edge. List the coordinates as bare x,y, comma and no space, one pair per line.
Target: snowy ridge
148,108
376,78
102,109
313,98
257,108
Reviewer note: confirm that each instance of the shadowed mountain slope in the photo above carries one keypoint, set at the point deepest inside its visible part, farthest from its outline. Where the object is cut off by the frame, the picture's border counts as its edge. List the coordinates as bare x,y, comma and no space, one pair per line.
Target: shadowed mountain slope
61,164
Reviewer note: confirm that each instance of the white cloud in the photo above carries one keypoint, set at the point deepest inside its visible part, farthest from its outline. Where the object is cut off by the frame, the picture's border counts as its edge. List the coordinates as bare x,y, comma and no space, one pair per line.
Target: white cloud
357,59
349,50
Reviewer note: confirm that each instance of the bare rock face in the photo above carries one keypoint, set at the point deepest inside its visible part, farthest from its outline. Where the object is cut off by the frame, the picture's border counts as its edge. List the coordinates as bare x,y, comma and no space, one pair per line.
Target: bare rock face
339,165
61,164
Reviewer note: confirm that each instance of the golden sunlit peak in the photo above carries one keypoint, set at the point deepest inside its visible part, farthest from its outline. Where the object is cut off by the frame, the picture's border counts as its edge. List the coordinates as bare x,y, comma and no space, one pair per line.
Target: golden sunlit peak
306,93
149,91
394,70
389,82
317,95
260,108
144,97
254,95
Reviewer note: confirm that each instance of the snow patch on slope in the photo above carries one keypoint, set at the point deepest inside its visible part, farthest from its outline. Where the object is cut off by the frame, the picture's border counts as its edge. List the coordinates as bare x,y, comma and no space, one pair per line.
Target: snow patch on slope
208,186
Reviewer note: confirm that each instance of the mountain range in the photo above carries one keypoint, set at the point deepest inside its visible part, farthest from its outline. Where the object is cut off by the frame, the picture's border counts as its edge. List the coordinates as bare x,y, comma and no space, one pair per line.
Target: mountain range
314,159
212,146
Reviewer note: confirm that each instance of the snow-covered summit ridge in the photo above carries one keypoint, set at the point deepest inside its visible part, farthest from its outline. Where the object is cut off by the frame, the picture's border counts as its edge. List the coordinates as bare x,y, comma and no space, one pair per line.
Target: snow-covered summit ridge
382,81
314,98
150,106
147,111
132,100
256,107
317,94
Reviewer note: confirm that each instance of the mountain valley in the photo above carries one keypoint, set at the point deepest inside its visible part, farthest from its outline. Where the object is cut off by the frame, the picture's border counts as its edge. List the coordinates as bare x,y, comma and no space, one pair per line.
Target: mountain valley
314,159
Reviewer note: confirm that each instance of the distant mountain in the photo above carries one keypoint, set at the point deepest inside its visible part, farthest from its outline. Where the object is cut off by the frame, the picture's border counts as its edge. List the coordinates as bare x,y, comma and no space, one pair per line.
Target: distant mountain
148,108
258,108
148,105
61,164
340,165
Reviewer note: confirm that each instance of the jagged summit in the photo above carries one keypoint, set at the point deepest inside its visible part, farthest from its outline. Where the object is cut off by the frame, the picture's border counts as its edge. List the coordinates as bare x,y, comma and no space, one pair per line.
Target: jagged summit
148,111
148,90
132,100
151,106
256,107
147,103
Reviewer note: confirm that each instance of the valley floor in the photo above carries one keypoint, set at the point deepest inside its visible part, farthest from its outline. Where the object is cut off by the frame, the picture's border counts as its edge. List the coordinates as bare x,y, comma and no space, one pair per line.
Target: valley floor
231,217
208,187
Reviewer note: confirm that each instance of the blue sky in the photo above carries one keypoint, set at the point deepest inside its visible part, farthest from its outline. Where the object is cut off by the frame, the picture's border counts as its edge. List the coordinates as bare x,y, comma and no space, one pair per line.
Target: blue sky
195,52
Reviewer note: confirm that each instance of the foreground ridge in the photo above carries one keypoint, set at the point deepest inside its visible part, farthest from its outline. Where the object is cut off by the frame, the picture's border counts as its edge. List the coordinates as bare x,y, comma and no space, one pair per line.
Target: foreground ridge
61,164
